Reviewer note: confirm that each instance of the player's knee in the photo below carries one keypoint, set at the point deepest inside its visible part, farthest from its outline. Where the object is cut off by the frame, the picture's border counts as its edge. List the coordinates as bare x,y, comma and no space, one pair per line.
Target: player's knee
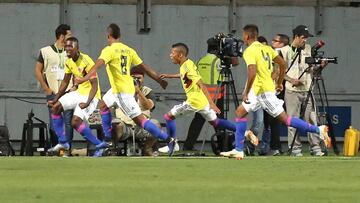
240,112
168,116
283,118
76,122
213,122
103,106
57,108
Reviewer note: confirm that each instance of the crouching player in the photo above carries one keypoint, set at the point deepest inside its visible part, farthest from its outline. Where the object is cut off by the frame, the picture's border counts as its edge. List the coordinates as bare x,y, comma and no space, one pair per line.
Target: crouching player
84,100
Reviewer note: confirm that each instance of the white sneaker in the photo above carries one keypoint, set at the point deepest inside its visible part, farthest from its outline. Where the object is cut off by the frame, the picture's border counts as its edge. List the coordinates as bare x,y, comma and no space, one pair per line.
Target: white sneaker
165,149
59,147
252,137
233,153
324,135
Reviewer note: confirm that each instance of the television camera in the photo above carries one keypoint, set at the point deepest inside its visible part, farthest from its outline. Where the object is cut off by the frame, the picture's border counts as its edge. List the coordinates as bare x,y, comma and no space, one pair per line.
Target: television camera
318,56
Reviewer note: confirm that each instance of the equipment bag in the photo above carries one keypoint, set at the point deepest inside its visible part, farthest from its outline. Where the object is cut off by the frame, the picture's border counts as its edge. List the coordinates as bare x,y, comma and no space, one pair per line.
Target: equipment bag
5,146
222,142
351,142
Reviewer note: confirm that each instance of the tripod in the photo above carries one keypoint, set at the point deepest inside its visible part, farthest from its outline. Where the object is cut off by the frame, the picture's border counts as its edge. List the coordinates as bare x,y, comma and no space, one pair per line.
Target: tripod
226,82
318,83
226,79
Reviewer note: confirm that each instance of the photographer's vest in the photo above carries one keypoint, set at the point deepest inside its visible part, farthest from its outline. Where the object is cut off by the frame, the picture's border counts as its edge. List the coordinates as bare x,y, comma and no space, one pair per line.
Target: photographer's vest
297,68
54,63
208,70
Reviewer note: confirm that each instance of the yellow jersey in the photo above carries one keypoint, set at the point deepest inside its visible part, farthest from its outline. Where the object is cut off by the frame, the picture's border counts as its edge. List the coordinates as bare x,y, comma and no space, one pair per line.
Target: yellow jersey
119,59
189,77
262,56
80,68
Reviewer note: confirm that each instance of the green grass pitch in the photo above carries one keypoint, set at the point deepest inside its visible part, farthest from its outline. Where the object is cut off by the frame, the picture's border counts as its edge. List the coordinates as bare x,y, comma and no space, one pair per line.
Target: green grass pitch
162,179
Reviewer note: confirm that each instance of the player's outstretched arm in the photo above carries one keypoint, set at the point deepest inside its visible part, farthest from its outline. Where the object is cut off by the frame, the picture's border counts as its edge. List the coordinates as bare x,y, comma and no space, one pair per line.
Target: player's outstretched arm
94,88
64,84
98,64
165,75
151,73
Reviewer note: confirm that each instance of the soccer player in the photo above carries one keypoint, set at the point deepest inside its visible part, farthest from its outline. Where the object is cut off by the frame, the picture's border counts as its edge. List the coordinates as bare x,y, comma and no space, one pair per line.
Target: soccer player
260,89
84,100
119,58
198,98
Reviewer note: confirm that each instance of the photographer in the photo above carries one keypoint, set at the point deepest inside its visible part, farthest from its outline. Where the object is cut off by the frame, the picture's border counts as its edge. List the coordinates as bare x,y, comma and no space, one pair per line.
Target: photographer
296,89
125,126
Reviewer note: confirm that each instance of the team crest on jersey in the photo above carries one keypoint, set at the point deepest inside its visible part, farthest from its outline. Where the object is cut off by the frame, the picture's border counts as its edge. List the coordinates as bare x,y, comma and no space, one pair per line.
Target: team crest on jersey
187,81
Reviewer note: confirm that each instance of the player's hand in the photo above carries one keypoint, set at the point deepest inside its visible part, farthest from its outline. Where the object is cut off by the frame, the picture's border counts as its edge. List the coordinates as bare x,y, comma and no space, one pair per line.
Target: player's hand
279,87
83,105
78,80
163,76
163,83
73,88
245,98
51,103
215,108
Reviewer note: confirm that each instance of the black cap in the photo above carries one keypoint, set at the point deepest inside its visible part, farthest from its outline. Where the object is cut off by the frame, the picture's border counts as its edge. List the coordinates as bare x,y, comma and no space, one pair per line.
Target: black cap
302,30
212,41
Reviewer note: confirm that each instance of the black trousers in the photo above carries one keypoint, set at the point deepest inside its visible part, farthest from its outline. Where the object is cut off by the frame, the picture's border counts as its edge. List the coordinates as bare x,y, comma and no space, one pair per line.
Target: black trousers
196,125
275,126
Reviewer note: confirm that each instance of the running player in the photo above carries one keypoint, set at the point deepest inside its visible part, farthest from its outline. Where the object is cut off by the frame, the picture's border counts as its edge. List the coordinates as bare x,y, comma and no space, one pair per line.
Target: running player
119,58
260,91
198,98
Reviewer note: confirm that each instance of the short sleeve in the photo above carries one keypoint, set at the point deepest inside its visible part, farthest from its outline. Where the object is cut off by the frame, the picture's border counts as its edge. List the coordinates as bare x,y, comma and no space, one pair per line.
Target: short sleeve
89,64
67,67
40,58
249,57
136,60
273,53
106,55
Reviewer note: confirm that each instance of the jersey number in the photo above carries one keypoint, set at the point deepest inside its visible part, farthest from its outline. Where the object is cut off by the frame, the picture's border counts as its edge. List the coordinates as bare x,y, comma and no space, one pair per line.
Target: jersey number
123,63
266,57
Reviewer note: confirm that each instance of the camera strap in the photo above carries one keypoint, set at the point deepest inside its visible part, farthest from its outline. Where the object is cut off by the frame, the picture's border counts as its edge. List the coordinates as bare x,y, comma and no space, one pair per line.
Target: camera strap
293,61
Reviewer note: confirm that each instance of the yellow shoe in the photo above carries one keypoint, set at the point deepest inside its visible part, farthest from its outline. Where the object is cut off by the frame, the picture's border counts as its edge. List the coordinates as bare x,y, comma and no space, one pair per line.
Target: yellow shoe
252,137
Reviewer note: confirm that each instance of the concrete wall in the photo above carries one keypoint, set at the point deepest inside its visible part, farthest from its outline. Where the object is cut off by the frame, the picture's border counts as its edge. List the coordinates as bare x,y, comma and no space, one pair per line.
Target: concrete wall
27,27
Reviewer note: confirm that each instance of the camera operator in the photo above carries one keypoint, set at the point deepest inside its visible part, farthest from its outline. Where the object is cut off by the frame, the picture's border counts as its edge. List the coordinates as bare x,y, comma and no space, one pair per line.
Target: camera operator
125,126
297,89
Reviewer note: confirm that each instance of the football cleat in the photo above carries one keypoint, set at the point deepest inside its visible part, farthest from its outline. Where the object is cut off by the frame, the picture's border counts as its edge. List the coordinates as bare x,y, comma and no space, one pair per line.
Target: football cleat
324,135
252,137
